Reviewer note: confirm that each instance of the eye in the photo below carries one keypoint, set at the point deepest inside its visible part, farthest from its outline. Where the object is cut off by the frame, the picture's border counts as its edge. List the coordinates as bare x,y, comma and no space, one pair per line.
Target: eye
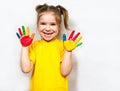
42,23
53,24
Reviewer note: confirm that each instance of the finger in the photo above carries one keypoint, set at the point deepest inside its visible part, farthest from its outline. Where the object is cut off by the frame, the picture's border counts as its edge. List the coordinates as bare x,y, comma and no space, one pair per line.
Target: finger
71,35
20,32
64,37
23,29
18,35
32,36
79,44
76,36
27,30
78,39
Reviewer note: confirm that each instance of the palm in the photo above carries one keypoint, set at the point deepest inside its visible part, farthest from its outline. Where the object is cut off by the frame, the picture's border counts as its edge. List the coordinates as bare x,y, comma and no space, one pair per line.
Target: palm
24,37
26,40
72,42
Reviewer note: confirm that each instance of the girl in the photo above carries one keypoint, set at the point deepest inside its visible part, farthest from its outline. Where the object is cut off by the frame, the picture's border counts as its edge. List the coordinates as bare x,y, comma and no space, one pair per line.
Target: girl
49,58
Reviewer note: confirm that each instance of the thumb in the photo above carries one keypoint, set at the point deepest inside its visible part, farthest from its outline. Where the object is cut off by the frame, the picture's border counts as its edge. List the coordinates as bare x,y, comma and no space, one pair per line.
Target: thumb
64,37
32,36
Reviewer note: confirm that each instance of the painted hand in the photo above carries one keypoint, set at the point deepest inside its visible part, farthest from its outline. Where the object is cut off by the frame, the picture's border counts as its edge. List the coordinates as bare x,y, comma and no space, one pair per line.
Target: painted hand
72,42
24,37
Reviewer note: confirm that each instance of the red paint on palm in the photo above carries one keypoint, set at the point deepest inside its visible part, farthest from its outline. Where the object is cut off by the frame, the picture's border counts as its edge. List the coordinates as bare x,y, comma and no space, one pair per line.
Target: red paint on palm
26,40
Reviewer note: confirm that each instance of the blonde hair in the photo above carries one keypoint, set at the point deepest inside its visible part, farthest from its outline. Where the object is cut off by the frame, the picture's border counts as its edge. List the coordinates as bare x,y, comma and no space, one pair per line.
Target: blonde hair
58,10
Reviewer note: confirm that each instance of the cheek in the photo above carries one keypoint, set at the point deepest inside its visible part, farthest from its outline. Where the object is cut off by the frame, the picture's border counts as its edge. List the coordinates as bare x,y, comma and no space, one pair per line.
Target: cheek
40,27
57,28
39,30
56,32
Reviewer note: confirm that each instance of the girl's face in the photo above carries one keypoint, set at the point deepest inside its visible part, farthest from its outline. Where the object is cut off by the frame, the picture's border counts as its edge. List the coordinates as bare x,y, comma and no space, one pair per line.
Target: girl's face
48,27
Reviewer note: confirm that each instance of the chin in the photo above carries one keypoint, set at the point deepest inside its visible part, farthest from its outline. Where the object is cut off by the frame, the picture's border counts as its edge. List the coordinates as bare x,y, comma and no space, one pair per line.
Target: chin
48,40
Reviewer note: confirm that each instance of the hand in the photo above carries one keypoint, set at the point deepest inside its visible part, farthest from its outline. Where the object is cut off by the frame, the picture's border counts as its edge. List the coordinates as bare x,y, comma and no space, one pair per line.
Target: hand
24,37
72,42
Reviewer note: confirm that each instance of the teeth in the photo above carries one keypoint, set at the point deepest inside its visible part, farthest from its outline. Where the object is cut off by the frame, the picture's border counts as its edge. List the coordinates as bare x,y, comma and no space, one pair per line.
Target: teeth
48,33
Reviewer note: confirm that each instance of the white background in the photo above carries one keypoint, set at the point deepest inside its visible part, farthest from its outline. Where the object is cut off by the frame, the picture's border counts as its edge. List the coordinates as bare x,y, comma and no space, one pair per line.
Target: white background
96,62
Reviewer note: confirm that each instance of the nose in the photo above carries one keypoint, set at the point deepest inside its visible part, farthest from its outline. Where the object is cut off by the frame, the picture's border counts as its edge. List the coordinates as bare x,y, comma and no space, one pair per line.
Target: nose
48,28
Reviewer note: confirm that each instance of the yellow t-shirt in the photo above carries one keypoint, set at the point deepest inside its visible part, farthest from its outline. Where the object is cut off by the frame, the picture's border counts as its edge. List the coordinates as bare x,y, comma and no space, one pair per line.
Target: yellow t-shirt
47,57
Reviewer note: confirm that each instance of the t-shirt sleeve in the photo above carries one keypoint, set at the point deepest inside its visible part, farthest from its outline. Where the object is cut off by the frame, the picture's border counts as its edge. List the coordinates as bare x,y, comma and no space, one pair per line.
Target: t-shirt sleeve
61,51
32,52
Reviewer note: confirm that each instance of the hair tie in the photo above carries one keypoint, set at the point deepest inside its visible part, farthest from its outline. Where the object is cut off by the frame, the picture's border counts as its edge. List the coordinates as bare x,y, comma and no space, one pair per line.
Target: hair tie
59,9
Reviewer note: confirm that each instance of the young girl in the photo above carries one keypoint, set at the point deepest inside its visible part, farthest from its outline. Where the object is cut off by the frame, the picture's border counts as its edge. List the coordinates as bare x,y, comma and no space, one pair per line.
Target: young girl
49,58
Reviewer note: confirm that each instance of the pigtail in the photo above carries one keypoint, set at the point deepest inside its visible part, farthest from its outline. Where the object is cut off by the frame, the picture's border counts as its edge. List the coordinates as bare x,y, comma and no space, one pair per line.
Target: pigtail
64,12
40,7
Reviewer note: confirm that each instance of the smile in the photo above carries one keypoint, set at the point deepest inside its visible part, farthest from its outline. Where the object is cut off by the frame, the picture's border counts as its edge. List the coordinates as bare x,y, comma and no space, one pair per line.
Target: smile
48,33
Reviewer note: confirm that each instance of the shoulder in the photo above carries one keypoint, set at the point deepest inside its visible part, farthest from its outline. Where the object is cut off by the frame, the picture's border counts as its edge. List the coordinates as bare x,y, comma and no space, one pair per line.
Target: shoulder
35,43
60,43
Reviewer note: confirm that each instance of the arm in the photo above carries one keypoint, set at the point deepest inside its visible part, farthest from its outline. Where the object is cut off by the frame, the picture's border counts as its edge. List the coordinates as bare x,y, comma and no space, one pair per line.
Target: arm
66,65
69,45
26,64
25,41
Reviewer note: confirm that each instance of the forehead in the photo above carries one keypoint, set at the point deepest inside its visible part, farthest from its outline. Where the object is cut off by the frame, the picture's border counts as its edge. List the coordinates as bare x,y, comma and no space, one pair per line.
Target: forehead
47,15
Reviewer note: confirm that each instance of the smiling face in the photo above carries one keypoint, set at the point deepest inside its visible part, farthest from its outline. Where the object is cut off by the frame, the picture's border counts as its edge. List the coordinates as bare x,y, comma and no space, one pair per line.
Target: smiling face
48,27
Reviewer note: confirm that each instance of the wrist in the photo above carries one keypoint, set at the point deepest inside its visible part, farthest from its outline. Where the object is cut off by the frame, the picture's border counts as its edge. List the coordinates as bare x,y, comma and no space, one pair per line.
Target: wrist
67,52
25,47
